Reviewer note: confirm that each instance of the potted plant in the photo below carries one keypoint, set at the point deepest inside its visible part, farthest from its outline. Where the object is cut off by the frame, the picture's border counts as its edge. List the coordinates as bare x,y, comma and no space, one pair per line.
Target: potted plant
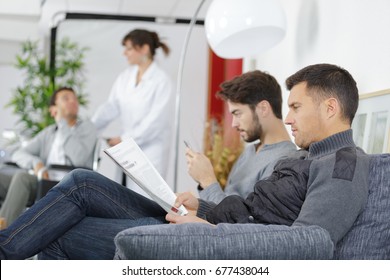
30,101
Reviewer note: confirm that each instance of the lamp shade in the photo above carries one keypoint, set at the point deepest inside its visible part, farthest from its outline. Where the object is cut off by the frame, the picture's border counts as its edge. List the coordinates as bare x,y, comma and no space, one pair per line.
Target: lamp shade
238,28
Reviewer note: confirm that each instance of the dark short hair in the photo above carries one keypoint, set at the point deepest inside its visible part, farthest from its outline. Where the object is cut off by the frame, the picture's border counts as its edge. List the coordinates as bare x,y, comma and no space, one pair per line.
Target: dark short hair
328,80
251,88
54,95
140,37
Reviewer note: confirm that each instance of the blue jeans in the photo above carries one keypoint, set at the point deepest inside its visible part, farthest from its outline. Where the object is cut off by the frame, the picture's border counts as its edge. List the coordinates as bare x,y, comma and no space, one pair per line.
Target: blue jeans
78,219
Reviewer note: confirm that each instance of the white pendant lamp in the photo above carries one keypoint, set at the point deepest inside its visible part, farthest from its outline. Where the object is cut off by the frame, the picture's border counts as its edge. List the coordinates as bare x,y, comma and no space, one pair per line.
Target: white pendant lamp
239,28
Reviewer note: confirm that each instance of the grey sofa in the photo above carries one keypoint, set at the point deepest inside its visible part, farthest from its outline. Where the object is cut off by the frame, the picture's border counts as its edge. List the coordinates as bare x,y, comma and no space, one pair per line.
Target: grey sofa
369,238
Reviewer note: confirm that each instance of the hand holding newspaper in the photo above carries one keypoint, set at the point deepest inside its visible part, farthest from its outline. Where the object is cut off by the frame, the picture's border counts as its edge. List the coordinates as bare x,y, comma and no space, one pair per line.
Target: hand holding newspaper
137,166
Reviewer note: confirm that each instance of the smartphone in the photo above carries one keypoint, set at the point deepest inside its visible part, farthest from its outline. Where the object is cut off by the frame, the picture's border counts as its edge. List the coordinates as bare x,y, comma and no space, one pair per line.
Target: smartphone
188,145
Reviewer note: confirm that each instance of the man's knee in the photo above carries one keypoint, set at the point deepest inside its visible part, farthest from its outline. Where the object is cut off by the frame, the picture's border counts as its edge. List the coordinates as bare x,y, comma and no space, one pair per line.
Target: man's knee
24,179
80,174
75,178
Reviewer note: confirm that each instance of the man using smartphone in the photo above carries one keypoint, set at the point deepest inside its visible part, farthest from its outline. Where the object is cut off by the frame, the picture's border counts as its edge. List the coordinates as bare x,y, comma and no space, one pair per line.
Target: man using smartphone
255,101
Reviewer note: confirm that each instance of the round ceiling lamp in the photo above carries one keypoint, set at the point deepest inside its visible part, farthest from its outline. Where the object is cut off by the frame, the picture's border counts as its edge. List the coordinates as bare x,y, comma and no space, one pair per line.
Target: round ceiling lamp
239,28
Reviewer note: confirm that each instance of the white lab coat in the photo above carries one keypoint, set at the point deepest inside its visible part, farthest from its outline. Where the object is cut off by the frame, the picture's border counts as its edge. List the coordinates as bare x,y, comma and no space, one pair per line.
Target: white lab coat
146,112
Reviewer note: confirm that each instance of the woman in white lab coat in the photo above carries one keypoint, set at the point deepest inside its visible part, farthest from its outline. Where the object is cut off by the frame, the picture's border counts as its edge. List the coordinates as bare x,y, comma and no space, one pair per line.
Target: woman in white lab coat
142,99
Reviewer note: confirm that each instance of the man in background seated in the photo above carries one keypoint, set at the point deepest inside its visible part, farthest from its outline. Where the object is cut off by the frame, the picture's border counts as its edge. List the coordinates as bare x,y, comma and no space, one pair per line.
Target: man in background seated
255,101
69,141
331,189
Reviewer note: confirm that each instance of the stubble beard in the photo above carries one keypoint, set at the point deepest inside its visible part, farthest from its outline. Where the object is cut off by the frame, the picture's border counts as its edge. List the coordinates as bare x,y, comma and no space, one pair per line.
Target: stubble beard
255,130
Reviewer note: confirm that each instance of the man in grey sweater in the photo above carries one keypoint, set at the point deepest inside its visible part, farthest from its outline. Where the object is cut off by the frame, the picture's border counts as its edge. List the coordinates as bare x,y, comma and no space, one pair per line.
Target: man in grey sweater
70,141
255,101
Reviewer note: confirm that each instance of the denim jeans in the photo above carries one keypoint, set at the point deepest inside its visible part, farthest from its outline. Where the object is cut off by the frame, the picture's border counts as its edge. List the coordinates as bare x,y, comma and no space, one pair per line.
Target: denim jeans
92,239
52,222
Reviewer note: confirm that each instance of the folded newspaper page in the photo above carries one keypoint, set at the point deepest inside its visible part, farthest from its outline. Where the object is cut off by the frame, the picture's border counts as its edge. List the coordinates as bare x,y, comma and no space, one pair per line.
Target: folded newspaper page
137,166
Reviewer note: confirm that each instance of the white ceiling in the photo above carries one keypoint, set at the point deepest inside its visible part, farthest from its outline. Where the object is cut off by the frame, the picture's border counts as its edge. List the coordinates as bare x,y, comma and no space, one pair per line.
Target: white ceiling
31,19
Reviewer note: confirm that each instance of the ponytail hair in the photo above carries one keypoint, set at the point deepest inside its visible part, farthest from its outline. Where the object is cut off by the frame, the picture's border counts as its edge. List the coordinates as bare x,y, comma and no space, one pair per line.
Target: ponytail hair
140,37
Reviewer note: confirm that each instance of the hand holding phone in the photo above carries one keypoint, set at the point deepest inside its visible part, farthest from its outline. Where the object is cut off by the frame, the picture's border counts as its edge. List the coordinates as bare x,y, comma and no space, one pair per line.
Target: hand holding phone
187,145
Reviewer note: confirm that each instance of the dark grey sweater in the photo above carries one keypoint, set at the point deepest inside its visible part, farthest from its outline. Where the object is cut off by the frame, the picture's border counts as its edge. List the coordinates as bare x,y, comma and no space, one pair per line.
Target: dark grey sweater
336,191
337,188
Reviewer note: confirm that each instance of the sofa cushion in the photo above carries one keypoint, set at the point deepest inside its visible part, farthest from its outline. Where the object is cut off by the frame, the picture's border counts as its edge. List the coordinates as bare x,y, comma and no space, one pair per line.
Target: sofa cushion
224,241
369,238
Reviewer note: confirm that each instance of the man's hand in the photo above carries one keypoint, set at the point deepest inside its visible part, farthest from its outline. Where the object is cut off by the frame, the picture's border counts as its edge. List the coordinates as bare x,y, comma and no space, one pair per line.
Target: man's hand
189,201
39,166
175,219
113,141
200,168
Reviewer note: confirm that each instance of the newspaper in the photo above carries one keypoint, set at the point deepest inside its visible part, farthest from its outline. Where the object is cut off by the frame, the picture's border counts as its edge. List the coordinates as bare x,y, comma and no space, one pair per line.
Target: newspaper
137,166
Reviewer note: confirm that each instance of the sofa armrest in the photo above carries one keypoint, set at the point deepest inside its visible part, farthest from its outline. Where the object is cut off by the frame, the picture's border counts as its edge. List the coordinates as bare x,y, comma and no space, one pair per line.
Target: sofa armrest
369,238
224,241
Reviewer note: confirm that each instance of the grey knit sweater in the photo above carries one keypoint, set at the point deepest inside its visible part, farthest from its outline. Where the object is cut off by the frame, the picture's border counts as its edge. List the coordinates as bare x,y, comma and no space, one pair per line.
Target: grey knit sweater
337,189
249,168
